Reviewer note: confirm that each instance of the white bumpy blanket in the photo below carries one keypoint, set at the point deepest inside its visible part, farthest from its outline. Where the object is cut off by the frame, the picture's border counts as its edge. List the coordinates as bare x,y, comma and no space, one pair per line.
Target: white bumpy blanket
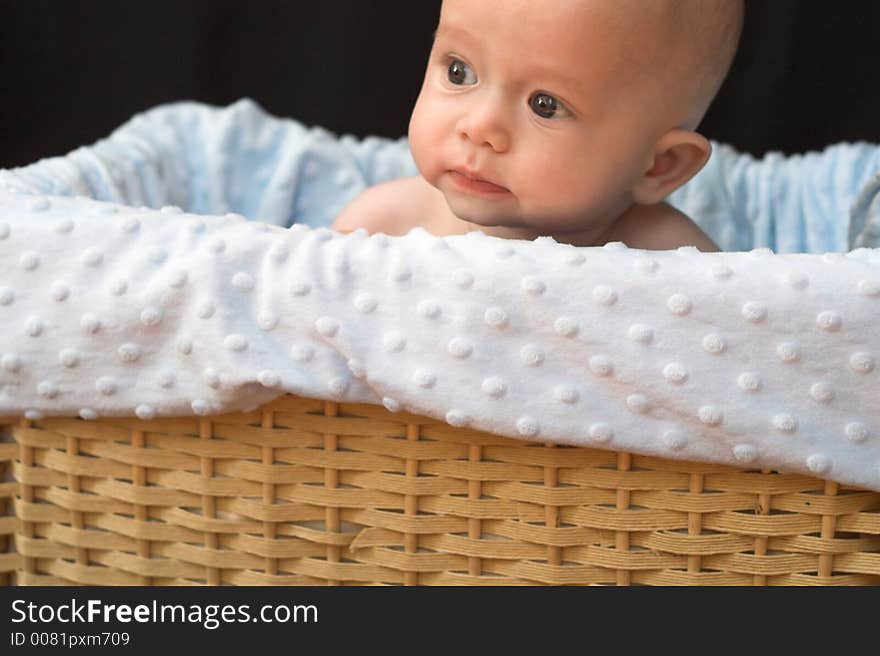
743,358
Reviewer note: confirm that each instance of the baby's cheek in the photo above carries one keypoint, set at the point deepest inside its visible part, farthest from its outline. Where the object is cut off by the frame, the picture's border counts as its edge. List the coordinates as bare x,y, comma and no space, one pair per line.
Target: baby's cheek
584,181
422,142
565,189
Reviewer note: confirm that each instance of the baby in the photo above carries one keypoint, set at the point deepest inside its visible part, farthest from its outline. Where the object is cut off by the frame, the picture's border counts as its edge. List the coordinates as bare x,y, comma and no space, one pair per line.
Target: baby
567,118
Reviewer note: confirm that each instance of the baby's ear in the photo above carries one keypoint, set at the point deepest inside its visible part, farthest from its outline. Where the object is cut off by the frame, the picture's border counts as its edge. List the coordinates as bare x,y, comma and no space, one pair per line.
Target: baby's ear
677,157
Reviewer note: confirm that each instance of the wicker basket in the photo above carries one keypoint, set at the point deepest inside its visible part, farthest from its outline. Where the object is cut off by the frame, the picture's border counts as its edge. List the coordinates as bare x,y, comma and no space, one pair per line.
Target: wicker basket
310,492
9,560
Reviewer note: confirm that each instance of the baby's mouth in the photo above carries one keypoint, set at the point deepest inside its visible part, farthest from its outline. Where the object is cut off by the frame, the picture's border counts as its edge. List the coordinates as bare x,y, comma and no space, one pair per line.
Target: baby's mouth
472,182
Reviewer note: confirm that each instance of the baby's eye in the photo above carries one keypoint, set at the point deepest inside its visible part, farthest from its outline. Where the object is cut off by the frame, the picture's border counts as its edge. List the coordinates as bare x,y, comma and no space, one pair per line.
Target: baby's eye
546,106
457,73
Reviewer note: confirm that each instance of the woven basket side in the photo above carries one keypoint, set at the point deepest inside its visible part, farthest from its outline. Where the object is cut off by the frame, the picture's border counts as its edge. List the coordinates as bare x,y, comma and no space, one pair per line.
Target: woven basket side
9,560
307,492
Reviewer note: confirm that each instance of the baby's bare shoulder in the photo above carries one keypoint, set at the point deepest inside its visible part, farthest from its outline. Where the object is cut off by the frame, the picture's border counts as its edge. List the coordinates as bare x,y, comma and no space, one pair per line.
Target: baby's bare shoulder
659,227
392,207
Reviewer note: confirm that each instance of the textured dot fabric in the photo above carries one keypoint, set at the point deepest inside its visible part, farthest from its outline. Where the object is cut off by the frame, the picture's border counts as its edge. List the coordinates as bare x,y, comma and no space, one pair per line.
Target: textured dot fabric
749,358
754,358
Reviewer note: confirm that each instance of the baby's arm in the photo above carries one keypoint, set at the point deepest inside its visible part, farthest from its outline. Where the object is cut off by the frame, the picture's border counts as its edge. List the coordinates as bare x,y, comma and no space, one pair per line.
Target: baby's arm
659,227
392,207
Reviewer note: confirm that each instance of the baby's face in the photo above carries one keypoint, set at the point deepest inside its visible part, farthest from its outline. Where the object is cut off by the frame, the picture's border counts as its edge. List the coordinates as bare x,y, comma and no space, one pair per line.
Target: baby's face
540,98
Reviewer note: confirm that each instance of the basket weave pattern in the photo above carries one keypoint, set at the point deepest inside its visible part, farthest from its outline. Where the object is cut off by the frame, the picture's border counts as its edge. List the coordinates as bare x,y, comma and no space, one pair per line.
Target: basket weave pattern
309,492
9,560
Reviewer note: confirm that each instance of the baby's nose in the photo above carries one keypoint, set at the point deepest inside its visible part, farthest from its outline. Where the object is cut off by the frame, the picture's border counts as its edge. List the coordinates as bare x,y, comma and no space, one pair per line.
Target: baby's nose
485,124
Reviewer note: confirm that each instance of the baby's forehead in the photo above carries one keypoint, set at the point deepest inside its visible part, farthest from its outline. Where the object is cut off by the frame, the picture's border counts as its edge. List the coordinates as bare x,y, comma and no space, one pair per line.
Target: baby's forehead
560,29
583,47
603,40
571,25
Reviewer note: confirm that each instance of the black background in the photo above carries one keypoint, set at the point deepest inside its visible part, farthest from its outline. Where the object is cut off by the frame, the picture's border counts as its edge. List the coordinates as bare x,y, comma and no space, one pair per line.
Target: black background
487,619
73,70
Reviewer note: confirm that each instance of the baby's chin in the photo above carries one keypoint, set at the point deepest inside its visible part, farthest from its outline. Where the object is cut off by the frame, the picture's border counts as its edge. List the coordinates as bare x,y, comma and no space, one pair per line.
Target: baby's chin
483,212
494,214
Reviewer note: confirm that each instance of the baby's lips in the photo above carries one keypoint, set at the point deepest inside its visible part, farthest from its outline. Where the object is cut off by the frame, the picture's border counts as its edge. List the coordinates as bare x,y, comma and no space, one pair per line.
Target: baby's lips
476,176
476,182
